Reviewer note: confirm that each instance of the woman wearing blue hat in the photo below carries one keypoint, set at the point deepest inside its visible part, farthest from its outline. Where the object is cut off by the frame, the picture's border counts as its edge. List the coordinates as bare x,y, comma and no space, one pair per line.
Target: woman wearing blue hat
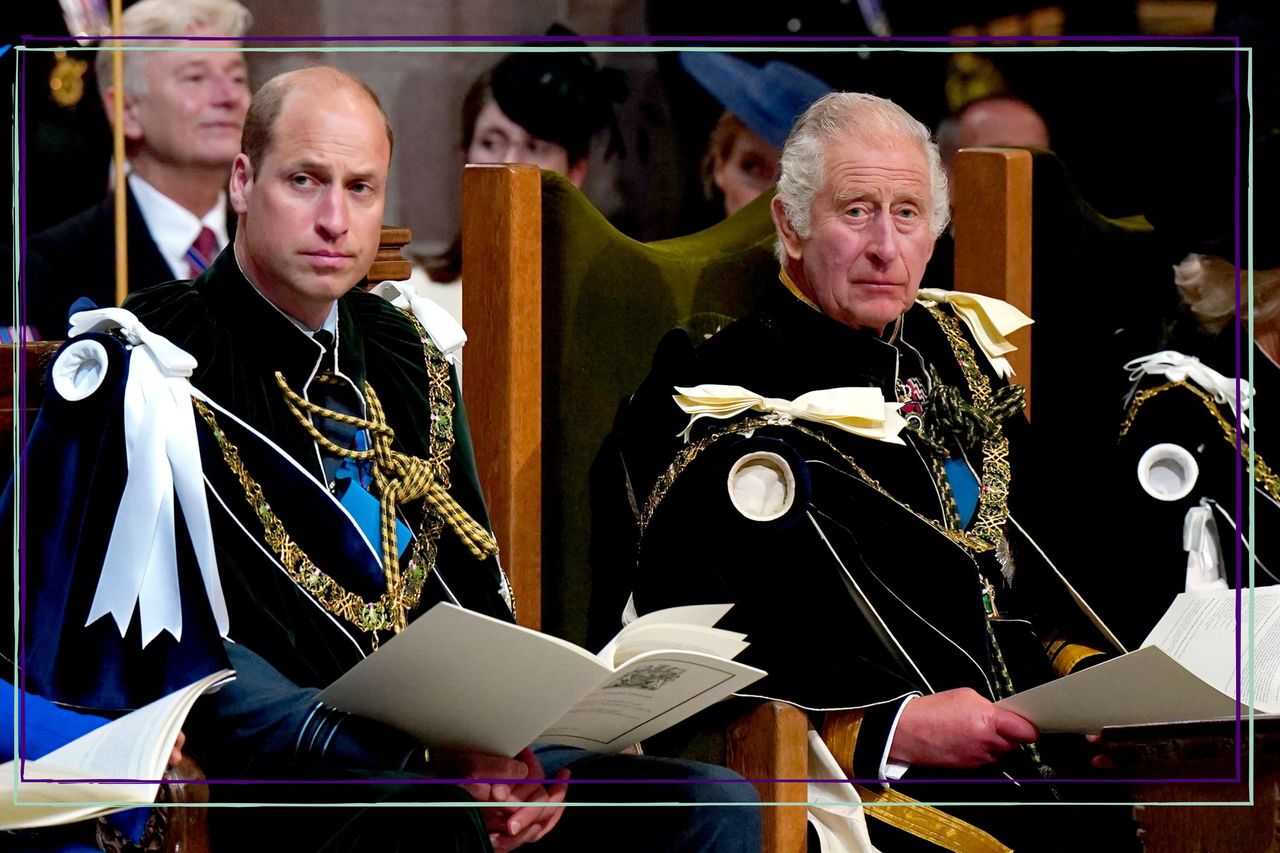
761,103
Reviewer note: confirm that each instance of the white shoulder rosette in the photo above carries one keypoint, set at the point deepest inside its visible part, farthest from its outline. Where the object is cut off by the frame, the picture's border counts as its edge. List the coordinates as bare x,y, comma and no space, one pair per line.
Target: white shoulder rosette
989,319
163,456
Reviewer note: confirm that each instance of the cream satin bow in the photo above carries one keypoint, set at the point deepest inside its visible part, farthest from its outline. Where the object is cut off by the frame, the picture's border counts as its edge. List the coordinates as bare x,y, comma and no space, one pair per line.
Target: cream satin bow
988,318
1177,367
861,411
163,454
446,333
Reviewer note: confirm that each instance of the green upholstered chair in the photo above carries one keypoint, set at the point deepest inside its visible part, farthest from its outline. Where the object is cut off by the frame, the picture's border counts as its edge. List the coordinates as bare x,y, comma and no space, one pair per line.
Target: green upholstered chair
552,270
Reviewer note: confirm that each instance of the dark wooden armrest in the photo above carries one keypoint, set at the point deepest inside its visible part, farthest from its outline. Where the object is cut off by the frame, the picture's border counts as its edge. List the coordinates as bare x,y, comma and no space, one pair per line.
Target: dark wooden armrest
188,828
390,264
770,743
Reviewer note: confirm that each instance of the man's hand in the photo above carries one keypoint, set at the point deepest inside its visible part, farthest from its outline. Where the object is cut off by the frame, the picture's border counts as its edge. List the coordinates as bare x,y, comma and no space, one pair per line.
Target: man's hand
535,806
956,728
175,754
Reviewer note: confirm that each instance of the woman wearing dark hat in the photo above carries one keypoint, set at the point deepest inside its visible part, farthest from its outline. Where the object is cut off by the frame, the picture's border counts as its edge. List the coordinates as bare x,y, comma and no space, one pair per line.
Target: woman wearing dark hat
541,108
761,104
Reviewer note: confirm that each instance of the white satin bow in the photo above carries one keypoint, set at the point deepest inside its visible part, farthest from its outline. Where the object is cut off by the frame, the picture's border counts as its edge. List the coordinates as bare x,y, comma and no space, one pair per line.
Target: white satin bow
861,411
163,454
446,333
988,318
1178,367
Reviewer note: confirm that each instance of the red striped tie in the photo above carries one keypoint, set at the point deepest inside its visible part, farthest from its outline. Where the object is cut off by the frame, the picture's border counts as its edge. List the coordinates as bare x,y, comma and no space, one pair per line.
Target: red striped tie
202,252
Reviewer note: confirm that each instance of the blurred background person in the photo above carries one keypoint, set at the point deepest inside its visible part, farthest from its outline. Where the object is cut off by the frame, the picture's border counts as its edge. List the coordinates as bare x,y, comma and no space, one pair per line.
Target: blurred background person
996,120
760,105
548,109
183,114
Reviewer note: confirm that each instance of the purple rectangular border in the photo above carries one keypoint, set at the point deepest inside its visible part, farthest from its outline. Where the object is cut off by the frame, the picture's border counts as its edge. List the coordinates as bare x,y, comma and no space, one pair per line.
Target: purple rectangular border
729,42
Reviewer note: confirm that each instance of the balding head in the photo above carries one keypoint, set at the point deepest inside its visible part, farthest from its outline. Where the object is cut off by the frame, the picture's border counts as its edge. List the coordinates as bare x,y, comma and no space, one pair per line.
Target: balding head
269,100
1001,121
309,190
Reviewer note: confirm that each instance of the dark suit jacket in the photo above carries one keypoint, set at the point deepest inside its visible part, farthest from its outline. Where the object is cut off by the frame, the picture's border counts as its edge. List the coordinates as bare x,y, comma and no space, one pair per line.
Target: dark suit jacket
77,258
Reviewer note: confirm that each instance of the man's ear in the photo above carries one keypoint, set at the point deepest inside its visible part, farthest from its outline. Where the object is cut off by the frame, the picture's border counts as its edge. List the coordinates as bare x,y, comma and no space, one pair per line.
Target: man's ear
786,232
718,167
578,172
132,127
241,184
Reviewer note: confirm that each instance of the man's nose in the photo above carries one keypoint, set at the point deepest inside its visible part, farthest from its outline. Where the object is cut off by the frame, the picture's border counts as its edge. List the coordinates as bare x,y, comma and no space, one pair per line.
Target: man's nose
513,153
229,91
884,238
333,218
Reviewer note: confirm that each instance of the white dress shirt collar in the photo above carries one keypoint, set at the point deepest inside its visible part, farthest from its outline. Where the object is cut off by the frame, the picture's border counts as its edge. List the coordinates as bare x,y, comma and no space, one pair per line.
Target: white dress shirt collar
173,227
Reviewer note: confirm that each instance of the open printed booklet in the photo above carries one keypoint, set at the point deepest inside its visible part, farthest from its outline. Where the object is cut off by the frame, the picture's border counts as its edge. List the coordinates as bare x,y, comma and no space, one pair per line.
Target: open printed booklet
1185,670
455,678
89,776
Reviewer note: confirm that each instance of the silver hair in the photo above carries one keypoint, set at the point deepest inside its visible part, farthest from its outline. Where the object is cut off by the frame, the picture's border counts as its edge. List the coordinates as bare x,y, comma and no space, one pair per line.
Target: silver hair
864,117
167,18
1207,288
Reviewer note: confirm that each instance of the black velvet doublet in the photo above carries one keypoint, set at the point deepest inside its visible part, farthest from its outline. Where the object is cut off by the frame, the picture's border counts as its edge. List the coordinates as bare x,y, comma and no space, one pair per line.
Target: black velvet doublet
852,598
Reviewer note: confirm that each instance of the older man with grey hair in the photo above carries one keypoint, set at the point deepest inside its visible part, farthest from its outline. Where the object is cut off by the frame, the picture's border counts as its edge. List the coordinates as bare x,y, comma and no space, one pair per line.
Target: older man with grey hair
844,477
184,108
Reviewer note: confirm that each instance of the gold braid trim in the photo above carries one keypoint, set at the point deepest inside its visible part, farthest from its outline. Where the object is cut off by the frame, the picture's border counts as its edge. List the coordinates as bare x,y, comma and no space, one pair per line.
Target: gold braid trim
947,831
398,477
1064,656
1262,473
840,733
387,613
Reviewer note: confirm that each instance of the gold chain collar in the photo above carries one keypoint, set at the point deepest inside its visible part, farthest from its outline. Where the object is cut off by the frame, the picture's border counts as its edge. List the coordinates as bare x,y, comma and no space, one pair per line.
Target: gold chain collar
388,613
993,498
404,590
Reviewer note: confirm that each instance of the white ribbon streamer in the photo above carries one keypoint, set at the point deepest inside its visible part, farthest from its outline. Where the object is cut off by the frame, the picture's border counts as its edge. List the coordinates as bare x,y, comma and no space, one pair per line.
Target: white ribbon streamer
861,411
163,457
835,810
446,333
989,319
1178,367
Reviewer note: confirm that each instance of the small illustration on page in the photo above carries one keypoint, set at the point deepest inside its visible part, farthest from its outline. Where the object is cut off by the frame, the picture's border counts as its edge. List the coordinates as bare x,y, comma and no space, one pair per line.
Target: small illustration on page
654,677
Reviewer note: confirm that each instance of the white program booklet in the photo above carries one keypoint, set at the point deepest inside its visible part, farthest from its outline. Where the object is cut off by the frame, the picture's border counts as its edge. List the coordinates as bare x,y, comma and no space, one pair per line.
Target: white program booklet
1185,670
53,788
455,678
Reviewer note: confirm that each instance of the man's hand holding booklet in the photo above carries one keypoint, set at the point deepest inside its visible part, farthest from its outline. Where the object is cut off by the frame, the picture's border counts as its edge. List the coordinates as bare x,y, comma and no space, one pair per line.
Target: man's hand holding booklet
1185,670
460,680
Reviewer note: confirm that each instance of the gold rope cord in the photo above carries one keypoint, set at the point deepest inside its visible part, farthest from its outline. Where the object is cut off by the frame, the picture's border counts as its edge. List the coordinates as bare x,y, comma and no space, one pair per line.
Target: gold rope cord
397,476
1262,473
387,613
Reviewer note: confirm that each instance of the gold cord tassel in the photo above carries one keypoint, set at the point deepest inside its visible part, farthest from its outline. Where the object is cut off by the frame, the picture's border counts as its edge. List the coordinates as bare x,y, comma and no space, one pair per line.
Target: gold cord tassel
398,477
